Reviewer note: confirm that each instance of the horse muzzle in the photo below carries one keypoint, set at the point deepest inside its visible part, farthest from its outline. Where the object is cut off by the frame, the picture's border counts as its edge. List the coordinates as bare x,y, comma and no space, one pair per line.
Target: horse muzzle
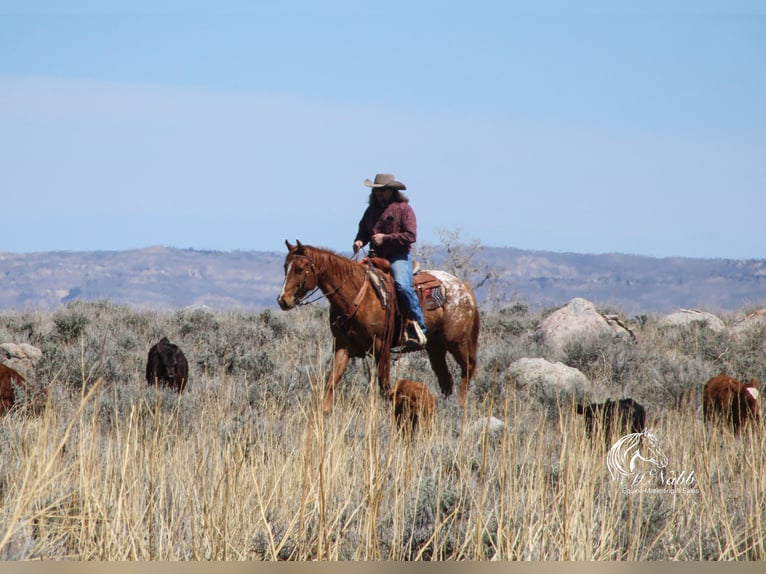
284,304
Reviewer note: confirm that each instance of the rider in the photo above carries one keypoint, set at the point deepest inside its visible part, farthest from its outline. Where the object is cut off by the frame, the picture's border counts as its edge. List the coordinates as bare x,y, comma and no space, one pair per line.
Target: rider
389,226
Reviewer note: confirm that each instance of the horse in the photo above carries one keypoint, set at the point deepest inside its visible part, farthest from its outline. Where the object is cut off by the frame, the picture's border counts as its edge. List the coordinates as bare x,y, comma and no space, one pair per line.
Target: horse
360,322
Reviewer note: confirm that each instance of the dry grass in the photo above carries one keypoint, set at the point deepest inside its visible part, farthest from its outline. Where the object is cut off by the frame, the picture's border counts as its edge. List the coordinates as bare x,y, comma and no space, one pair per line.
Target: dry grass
241,469
294,484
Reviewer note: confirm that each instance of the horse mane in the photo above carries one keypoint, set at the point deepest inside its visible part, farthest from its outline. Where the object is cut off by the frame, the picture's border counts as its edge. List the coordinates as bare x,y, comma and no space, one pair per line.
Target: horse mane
327,259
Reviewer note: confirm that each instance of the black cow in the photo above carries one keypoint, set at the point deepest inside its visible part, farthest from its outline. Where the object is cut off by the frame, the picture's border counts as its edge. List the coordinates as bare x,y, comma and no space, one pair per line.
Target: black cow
625,415
167,365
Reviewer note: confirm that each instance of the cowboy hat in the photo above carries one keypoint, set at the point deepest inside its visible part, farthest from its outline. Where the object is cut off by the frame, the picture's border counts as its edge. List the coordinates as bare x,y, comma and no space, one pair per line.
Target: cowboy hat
384,180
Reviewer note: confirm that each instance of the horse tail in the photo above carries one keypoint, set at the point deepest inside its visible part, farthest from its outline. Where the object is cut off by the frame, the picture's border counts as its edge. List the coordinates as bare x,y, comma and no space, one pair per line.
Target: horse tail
473,343
475,335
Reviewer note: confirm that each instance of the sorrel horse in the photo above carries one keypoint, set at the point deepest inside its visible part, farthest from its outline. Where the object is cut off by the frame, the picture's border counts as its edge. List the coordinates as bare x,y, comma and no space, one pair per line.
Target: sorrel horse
358,318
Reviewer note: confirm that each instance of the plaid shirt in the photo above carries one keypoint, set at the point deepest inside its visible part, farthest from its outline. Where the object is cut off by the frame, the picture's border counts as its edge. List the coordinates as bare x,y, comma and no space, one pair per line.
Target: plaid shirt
396,221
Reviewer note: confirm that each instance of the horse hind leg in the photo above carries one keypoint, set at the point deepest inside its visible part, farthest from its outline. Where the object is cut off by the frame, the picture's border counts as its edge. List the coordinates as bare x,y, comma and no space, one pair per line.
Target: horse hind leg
437,356
467,361
464,353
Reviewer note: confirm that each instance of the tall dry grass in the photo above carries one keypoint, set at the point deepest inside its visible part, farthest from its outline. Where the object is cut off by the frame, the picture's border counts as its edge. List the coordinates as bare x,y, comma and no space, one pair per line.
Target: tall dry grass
247,467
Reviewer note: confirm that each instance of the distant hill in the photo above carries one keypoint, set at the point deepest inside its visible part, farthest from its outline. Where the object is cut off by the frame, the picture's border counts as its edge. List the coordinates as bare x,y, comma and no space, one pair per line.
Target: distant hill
169,278
633,283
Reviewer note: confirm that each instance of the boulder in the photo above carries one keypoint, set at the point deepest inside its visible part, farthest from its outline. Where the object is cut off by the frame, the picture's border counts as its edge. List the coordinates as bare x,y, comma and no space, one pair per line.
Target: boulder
578,319
21,357
21,351
684,317
494,427
547,380
751,322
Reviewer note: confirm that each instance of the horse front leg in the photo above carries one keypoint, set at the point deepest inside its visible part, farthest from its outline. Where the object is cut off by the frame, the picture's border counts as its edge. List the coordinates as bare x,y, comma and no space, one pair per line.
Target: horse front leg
340,362
384,376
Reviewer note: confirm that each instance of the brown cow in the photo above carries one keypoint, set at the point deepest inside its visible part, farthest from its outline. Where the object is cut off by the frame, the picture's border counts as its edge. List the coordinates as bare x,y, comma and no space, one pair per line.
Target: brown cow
167,365
413,404
10,379
731,400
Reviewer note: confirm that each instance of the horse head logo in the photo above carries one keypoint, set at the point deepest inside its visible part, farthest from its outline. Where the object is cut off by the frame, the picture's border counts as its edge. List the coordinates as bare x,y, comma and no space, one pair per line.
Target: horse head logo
634,453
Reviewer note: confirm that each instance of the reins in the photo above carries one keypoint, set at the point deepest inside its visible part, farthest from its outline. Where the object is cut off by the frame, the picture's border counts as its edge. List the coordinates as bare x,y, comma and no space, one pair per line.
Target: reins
342,318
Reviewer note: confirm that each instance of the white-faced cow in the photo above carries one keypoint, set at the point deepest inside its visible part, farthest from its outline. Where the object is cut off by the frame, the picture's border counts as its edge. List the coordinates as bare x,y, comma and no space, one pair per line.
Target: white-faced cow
166,365
726,398
625,415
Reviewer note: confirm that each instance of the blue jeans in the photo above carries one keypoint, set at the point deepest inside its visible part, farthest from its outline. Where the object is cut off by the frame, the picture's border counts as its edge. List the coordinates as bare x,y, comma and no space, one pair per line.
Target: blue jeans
401,269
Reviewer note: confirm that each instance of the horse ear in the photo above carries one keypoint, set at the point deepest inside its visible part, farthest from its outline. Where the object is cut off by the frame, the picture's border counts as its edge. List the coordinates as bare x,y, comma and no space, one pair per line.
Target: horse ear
289,247
299,245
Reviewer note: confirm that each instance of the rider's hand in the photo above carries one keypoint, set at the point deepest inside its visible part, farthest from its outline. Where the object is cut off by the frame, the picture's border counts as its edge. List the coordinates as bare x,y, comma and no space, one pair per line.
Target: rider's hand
357,246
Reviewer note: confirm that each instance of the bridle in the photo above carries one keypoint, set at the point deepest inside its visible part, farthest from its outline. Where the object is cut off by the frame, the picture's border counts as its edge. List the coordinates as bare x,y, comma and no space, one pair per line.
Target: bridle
302,284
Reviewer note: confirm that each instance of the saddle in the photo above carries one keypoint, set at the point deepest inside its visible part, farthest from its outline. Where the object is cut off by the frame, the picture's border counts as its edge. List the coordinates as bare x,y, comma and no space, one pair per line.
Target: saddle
428,288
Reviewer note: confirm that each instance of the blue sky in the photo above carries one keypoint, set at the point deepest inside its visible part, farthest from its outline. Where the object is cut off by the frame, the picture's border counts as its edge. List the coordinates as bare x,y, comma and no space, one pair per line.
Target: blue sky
588,127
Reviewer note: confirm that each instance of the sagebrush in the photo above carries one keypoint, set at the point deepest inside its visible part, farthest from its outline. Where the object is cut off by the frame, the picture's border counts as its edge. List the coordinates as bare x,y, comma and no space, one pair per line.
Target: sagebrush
244,466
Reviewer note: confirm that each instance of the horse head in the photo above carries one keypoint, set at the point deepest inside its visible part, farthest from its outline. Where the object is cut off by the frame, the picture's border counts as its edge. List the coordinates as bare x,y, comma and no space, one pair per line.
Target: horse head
300,276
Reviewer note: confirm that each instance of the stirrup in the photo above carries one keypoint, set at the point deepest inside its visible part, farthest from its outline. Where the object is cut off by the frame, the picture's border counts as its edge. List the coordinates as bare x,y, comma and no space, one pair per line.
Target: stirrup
407,346
412,343
420,337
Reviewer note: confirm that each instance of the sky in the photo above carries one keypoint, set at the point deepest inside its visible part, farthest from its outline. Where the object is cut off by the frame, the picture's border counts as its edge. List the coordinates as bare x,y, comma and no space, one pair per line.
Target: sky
584,127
